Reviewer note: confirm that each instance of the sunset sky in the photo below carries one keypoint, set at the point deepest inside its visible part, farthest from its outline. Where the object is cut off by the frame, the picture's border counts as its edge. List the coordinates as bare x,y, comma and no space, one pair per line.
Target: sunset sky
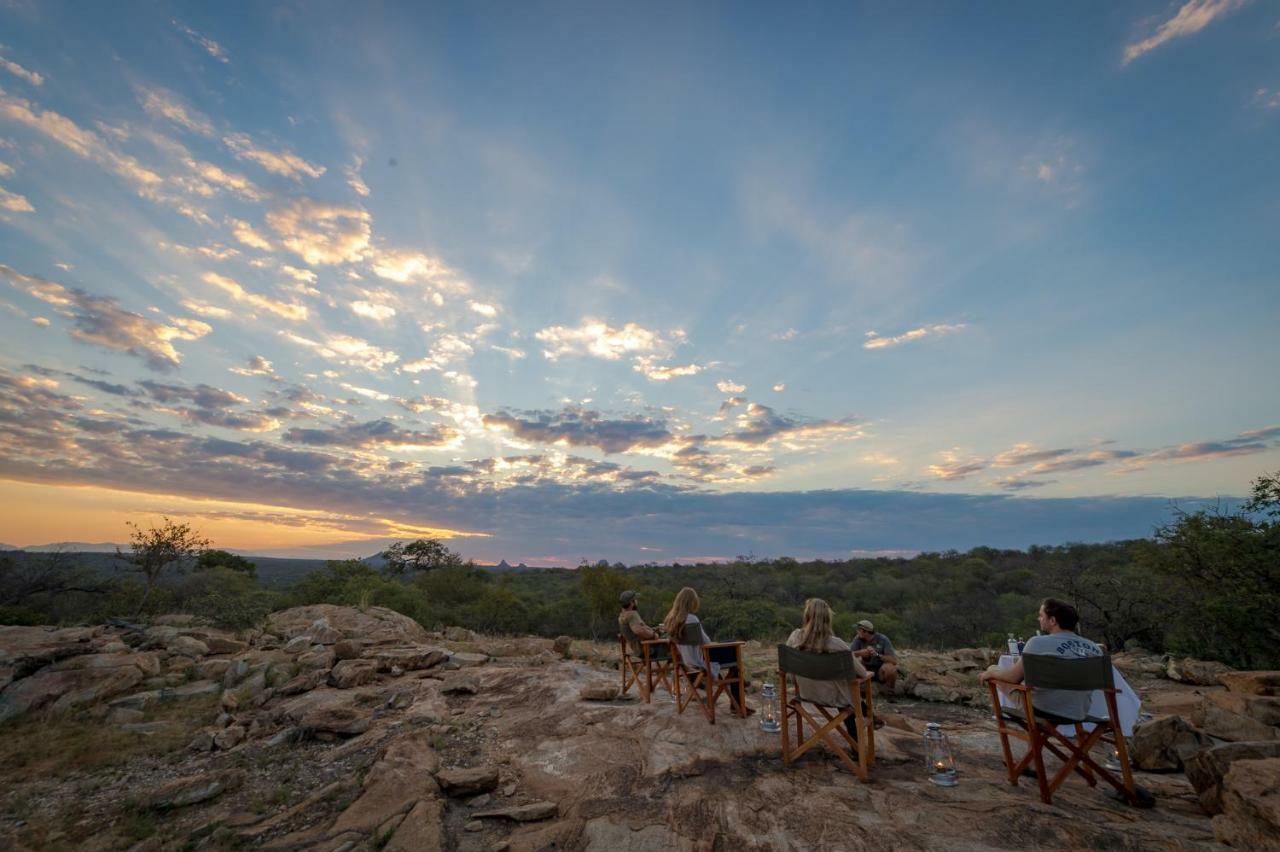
644,282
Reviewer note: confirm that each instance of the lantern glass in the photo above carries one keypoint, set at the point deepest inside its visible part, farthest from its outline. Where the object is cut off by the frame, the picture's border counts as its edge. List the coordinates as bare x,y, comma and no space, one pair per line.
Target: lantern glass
769,709
940,761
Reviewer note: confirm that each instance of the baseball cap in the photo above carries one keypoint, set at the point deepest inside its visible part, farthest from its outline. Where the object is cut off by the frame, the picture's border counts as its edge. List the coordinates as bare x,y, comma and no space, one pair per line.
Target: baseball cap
627,597
867,625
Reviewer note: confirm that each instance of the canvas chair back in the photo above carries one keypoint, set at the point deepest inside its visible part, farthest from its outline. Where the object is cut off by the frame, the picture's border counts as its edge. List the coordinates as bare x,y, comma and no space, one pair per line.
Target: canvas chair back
1083,674
629,637
690,634
815,665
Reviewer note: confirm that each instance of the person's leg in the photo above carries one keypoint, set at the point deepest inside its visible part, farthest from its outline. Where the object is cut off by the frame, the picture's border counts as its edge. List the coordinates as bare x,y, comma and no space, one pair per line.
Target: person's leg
889,676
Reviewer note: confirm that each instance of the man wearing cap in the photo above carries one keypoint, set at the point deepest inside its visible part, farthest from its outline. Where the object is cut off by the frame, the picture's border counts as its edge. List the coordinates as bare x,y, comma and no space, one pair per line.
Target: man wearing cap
631,625
877,654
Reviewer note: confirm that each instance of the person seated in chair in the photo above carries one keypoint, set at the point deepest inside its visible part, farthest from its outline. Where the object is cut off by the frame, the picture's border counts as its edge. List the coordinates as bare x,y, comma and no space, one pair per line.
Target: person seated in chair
816,636
1059,621
633,628
682,612
876,653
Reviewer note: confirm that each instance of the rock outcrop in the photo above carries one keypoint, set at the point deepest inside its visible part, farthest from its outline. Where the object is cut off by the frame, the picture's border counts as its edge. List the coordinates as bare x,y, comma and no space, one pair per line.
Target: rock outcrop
1250,817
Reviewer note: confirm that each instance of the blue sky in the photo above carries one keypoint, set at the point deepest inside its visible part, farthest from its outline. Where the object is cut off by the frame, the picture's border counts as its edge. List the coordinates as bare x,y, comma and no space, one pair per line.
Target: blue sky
643,282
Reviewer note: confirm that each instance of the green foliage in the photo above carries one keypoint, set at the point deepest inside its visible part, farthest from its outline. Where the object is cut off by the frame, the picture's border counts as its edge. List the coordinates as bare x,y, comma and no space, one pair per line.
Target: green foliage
226,596
600,586
420,555
156,550
222,559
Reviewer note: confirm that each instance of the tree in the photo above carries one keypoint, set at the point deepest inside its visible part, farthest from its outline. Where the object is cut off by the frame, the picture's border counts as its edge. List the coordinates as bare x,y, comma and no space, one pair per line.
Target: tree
155,550
424,554
601,586
222,559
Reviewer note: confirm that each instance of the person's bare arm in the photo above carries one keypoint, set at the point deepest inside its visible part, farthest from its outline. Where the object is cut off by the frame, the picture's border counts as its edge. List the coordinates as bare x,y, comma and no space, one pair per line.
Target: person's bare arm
1013,674
644,631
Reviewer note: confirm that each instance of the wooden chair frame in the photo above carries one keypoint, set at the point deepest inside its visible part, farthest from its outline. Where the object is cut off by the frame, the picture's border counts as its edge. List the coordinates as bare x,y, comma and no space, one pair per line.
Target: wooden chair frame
656,671
831,731
1040,731
731,677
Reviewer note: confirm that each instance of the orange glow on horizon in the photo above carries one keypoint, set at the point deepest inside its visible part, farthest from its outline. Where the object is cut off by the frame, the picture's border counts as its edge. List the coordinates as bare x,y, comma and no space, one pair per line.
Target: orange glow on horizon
39,514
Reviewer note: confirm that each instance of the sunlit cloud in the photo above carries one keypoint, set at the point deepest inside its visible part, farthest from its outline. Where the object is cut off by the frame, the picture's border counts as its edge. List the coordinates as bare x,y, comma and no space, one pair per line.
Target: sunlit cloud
14,202
245,233
779,387
206,44
285,310
256,366
99,320
581,428
320,233
348,350
760,426
164,104
373,311
483,309
377,433
875,341
1194,16
354,180
599,339
954,465
282,163
404,267
653,371
17,70
726,386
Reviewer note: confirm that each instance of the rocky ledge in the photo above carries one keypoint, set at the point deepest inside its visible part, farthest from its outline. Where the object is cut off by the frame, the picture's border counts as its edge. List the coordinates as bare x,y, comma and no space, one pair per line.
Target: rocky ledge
339,729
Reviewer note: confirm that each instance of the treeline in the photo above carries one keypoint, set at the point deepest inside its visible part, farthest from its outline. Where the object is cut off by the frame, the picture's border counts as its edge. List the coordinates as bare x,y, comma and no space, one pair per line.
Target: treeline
1206,585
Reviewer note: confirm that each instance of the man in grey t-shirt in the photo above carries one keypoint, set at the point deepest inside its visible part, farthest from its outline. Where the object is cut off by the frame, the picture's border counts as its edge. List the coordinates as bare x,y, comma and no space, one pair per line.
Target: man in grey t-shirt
1059,620
876,653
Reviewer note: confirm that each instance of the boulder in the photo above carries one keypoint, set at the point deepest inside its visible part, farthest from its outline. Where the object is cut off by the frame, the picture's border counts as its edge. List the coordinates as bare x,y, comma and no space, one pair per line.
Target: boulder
193,790
150,698
421,830
524,813
1199,672
375,625
304,682
188,646
464,659
1250,817
409,659
1262,708
348,649
321,659
563,645
1207,768
461,686
212,669
1164,744
76,682
229,738
224,645
298,645
351,673
27,649
399,779
467,782
1214,719
328,710
459,634
599,692
1251,683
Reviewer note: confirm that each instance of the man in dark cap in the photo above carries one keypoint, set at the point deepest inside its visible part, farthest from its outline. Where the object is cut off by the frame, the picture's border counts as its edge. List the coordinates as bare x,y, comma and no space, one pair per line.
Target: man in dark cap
876,652
631,625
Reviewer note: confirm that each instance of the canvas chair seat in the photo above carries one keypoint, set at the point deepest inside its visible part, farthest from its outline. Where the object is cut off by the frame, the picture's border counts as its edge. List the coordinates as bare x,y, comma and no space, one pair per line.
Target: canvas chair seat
702,683
651,670
1039,728
830,731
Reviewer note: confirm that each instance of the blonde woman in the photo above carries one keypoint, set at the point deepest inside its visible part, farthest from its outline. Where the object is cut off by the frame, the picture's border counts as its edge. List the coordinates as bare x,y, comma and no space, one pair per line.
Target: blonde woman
817,636
682,612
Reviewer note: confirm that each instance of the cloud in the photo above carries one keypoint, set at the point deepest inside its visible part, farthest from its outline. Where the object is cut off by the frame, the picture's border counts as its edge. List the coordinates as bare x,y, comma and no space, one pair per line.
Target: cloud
347,350
599,339
403,267
1027,454
213,406
284,163
160,103
760,425
446,350
779,387
320,233
206,44
647,365
256,366
377,433
1246,443
1194,16
354,180
285,310
373,311
726,386
82,142
953,466
577,427
213,251
245,233
14,203
18,71
99,320
483,309
875,341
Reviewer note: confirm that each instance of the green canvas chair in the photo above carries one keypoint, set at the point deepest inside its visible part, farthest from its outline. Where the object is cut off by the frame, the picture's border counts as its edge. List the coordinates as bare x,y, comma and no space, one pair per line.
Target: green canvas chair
699,681
830,731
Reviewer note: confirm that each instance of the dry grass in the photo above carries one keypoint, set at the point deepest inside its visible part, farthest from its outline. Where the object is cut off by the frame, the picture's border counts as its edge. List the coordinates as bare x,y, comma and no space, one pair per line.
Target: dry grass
43,748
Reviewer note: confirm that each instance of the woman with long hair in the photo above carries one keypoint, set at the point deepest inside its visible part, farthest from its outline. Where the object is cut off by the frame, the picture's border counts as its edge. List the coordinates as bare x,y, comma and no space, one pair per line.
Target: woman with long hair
816,635
682,613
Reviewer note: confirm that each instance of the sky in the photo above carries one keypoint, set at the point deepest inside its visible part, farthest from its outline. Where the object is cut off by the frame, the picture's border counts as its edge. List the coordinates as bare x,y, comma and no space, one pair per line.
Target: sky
643,282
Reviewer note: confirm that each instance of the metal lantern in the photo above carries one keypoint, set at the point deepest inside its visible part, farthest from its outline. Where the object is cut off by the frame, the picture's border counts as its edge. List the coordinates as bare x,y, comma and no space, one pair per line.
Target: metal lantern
939,760
1113,760
769,709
